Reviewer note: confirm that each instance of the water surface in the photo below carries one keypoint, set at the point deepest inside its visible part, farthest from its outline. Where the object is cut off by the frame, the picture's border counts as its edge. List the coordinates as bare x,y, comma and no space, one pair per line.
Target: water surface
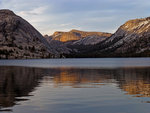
80,62
58,86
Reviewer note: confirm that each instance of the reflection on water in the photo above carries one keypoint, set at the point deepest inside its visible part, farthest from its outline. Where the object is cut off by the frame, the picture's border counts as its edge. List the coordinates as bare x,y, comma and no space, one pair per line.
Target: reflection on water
17,82
82,78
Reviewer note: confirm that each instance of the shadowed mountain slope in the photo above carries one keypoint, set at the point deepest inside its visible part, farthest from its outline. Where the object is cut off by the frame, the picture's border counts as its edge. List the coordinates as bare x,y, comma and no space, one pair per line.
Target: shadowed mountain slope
19,39
132,39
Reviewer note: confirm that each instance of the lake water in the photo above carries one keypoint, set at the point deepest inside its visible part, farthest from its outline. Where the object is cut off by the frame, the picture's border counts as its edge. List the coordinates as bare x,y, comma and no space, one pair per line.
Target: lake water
111,85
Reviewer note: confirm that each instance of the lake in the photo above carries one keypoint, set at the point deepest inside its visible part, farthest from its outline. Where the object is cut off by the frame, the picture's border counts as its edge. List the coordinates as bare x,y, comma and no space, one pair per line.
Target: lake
96,85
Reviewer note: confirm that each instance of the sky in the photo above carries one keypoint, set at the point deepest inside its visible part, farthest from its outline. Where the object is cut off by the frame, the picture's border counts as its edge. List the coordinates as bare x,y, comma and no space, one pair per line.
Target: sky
48,16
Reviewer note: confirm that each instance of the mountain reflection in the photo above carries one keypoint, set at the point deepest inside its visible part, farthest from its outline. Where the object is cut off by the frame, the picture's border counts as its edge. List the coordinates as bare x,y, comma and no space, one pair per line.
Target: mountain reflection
135,81
18,82
82,78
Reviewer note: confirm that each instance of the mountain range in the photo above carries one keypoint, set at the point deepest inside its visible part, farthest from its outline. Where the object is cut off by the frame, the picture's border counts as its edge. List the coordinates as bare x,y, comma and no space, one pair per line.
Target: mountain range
80,36
19,39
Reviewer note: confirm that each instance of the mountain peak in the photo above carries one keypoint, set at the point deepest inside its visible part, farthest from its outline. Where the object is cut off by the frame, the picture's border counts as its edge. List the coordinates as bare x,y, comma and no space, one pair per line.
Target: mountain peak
148,18
74,30
19,39
136,25
74,34
7,12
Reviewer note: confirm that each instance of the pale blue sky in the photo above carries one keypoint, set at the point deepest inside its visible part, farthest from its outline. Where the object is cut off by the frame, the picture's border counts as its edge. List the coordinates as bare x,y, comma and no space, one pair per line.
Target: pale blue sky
90,15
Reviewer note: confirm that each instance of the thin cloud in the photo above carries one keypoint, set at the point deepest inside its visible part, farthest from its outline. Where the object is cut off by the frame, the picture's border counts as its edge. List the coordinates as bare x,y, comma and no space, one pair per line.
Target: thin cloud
35,11
93,15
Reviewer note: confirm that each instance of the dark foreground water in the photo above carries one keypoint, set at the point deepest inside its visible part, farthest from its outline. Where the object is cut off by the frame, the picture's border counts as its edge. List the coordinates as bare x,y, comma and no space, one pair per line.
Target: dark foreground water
75,86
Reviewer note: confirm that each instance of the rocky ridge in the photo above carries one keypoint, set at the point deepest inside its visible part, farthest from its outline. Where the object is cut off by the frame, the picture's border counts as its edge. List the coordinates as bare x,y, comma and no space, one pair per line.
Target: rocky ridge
19,39
132,39
80,36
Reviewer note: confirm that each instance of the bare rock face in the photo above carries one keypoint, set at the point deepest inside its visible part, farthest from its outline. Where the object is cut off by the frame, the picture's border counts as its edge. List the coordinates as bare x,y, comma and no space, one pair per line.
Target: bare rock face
75,40
90,40
76,35
131,39
19,39
59,46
